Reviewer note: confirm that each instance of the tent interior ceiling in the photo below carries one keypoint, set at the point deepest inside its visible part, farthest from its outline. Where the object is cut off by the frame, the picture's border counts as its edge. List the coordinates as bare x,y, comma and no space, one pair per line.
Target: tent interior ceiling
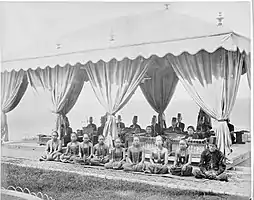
156,33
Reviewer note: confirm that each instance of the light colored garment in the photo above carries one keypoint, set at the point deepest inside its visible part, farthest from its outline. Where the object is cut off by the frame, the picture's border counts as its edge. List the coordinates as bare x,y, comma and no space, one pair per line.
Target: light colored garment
13,88
212,80
114,83
117,159
71,153
135,155
53,151
64,84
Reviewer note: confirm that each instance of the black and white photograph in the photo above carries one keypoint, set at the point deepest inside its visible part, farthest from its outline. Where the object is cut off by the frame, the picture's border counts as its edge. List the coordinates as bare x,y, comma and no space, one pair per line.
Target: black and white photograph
126,100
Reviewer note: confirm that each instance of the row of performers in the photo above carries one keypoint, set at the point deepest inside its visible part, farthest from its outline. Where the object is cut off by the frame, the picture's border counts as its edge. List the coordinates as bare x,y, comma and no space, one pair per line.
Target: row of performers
177,125
211,166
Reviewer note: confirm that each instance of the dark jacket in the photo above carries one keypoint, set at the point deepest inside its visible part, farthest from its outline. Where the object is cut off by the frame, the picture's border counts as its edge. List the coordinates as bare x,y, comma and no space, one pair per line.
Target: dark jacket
212,161
155,130
174,130
181,126
92,126
120,125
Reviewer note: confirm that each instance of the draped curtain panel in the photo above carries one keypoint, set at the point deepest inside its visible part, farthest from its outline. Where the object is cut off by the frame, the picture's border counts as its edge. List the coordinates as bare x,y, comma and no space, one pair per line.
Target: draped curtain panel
159,90
212,80
13,88
248,68
64,83
114,83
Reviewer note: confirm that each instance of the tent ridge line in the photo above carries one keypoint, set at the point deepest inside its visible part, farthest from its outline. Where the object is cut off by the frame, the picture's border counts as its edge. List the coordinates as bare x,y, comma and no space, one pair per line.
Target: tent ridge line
123,46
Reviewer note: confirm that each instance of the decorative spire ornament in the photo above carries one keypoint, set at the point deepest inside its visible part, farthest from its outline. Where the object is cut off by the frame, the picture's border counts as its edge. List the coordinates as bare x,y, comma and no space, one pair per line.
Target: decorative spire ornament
166,5
58,46
112,36
220,19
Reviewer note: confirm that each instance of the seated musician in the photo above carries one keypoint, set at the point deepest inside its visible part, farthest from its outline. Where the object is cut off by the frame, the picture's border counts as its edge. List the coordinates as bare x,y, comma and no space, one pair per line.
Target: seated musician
182,164
135,127
101,128
173,128
179,122
67,136
204,124
117,156
53,149
119,123
231,128
91,124
72,151
149,132
100,152
85,151
135,157
155,127
212,163
158,158
191,134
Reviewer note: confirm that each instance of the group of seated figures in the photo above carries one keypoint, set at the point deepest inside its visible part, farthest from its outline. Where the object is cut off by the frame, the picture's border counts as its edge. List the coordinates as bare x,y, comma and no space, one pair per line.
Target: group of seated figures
211,166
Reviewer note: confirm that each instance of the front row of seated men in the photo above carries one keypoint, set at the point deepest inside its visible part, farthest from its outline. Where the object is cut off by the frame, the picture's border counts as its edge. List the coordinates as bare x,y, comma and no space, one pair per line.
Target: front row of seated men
211,166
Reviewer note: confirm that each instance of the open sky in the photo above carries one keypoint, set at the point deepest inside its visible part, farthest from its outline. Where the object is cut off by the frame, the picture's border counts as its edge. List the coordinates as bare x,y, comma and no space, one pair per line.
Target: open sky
25,25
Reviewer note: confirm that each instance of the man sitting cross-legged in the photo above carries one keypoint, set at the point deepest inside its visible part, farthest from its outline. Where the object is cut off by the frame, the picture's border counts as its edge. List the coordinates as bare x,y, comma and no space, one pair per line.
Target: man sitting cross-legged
53,149
212,163
100,153
117,156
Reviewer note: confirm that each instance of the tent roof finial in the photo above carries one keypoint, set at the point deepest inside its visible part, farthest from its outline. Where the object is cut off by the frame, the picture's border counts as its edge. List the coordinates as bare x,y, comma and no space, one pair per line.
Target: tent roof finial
220,19
166,5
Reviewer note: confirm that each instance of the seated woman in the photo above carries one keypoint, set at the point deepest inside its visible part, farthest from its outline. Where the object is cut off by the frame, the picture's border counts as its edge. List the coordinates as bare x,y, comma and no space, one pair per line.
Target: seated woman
182,161
117,156
135,157
72,151
53,149
158,159
100,153
85,151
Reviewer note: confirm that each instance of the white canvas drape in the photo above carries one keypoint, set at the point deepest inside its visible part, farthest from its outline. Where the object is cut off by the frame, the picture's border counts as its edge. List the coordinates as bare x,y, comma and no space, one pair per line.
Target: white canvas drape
248,68
212,80
114,83
13,88
64,83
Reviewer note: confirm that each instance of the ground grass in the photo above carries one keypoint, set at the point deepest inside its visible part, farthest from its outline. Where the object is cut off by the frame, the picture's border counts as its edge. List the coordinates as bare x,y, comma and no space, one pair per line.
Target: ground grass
67,186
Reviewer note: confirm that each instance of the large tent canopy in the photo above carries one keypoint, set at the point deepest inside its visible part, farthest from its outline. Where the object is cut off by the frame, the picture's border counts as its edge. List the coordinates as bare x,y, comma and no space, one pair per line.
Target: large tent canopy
117,54
154,33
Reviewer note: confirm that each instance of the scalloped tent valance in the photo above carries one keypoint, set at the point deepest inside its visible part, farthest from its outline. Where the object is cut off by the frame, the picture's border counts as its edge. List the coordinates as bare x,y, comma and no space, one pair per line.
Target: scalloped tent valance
157,33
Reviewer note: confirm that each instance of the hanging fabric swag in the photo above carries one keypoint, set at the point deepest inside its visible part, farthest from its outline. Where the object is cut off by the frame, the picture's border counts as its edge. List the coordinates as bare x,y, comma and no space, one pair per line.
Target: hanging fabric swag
212,80
248,68
64,83
159,90
114,83
13,88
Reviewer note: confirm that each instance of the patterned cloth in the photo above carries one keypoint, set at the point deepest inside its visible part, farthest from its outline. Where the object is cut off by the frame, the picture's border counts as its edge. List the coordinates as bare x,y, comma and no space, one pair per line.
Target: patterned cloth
72,152
53,151
135,155
182,158
116,162
85,149
158,157
101,154
212,165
